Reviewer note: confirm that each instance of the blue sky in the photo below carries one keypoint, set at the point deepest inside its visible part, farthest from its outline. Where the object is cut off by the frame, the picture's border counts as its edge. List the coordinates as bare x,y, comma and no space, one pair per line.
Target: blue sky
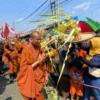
17,10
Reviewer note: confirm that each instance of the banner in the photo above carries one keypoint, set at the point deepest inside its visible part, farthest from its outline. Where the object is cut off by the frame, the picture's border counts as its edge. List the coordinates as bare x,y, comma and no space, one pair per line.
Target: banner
8,31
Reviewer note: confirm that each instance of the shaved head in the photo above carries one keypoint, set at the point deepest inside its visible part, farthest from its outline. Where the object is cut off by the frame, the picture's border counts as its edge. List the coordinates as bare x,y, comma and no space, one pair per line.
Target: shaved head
35,38
35,34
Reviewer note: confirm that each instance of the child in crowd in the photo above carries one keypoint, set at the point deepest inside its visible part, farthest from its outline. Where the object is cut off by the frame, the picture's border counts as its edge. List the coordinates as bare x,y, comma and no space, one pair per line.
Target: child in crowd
76,78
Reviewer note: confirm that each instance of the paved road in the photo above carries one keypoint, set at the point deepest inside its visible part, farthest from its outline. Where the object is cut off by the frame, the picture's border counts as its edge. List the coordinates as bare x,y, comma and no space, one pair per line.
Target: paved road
8,91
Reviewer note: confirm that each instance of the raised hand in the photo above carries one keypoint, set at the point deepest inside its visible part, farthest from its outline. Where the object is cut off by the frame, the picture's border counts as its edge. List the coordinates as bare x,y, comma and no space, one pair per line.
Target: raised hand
41,57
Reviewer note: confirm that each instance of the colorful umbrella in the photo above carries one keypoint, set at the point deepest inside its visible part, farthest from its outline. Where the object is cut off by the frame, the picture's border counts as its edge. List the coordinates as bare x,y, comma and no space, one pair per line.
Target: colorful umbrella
82,18
94,25
86,32
85,27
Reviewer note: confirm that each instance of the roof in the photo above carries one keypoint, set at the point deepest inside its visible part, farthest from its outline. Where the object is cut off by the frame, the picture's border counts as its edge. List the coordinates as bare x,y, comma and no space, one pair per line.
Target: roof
22,35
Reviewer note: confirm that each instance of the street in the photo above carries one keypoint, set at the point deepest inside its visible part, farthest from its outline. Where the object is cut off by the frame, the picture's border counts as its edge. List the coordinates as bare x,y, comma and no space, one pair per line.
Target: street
8,91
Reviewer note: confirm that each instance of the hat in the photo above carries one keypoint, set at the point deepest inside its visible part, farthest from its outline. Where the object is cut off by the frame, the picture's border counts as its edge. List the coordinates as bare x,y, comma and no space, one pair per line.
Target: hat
80,37
84,36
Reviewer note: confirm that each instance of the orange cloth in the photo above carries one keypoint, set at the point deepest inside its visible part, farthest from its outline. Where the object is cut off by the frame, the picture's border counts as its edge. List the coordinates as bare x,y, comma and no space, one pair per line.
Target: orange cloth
75,88
6,51
82,53
31,81
11,58
13,62
5,59
19,47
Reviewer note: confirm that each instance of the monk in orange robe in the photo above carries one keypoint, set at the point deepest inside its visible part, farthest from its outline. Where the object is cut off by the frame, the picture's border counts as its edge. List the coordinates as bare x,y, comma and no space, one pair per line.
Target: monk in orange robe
11,55
33,72
19,46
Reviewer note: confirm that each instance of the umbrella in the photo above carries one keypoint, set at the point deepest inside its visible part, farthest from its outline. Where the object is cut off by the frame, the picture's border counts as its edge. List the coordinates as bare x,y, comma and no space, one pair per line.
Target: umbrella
94,25
82,18
85,27
86,32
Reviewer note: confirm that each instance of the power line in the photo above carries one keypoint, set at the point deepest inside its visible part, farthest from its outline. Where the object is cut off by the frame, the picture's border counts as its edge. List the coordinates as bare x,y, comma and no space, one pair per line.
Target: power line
29,24
25,8
33,12
46,12
79,14
42,11
13,4
55,6
36,17
39,13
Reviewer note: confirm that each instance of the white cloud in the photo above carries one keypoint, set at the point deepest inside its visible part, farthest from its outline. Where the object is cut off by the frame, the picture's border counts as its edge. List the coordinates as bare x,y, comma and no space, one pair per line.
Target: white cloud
87,7
85,4
20,19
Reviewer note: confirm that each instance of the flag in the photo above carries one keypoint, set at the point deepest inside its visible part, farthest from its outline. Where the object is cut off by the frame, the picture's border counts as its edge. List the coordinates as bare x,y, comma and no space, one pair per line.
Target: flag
8,31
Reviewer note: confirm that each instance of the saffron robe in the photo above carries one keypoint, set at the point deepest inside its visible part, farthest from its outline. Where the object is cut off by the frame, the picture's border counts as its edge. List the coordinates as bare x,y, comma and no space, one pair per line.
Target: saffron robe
31,81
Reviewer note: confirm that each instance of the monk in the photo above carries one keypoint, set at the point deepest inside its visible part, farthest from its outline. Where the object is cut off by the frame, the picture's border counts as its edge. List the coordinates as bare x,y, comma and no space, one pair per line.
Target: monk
33,72
19,46
11,53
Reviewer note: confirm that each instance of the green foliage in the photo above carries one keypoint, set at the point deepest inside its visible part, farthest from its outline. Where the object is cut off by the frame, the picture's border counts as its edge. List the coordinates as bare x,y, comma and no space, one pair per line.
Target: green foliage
51,93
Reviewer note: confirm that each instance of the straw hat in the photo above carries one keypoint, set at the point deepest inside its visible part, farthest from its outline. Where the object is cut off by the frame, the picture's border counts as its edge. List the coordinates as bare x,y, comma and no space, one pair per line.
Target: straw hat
84,36
80,37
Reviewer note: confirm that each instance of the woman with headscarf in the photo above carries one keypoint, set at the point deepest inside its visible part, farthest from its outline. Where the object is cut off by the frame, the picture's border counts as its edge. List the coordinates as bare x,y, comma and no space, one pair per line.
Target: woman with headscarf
92,75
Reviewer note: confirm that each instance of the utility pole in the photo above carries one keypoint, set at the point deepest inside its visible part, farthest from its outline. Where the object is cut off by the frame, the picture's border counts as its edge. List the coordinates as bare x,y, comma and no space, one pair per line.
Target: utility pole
58,5
52,3
13,25
55,5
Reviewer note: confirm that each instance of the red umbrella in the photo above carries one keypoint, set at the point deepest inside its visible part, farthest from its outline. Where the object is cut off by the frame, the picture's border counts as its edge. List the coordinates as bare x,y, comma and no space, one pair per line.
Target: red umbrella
85,27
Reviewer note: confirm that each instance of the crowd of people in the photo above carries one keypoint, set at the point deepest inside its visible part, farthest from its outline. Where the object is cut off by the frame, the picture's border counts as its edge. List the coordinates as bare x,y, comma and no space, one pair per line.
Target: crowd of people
32,66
